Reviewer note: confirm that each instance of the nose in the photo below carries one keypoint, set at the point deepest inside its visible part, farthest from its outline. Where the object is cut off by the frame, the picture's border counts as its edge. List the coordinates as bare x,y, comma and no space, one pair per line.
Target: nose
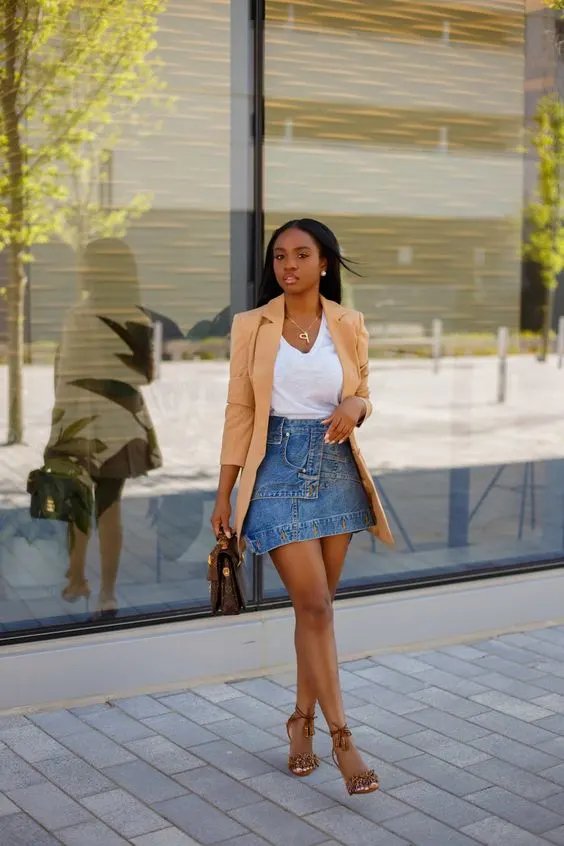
289,264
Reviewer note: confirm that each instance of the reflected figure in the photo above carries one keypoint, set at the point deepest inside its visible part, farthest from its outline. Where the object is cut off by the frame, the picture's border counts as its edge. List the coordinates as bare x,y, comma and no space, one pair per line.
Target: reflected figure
100,418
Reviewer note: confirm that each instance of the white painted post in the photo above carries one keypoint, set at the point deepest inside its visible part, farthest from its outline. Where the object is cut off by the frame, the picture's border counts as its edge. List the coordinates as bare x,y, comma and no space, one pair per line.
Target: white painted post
437,343
157,347
502,347
560,342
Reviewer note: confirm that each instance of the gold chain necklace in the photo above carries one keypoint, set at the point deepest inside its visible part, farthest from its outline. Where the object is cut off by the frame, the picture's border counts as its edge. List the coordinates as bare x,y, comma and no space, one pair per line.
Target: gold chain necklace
304,333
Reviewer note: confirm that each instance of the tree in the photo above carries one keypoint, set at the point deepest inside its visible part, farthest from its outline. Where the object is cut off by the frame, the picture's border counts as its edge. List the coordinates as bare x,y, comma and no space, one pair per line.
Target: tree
70,70
546,240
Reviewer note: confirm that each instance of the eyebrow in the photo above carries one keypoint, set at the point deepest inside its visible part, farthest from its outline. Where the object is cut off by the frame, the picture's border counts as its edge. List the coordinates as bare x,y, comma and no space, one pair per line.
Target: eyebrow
296,249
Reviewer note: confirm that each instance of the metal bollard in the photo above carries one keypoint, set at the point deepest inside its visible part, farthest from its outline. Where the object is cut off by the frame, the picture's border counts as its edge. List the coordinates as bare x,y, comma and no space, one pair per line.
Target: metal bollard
437,343
560,342
158,347
502,346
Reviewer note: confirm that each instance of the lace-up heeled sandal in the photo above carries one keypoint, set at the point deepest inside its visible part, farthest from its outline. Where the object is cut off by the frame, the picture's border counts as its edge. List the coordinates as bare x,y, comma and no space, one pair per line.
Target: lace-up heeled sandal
304,764
366,781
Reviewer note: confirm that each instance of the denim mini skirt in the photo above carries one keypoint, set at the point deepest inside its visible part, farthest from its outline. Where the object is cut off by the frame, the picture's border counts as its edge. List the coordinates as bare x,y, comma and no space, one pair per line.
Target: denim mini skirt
304,488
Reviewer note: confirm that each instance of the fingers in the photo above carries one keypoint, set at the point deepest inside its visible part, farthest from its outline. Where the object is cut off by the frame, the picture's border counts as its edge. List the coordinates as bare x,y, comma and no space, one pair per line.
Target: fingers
220,523
339,430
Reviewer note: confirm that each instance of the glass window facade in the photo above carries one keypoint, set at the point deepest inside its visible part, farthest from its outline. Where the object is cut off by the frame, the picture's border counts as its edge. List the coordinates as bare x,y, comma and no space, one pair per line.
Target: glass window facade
405,131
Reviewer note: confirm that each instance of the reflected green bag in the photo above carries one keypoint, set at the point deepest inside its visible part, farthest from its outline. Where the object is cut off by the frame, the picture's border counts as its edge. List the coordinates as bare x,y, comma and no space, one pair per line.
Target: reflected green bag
61,490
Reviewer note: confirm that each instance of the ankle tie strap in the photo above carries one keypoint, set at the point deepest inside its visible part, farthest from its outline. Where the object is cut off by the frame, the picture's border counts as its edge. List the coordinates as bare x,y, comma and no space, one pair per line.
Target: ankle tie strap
309,719
340,738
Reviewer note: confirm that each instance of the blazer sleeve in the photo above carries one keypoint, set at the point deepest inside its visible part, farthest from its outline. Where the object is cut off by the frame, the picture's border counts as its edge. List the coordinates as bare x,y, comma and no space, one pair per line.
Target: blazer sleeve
240,409
363,390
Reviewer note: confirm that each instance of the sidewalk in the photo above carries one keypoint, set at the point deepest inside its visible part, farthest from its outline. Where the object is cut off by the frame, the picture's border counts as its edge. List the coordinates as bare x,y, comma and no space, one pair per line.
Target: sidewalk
468,742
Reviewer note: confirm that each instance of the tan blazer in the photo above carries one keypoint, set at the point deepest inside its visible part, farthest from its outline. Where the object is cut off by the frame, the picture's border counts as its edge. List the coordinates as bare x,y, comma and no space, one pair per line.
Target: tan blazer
255,338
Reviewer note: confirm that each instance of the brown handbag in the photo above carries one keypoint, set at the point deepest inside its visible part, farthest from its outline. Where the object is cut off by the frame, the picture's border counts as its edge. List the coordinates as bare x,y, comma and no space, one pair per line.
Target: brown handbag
226,577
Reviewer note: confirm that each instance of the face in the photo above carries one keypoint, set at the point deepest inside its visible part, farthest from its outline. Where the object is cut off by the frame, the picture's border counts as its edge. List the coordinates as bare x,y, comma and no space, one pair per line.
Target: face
297,262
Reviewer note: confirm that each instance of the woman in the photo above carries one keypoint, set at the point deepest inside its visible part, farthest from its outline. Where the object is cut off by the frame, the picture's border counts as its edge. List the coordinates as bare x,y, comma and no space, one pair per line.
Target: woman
298,388
100,418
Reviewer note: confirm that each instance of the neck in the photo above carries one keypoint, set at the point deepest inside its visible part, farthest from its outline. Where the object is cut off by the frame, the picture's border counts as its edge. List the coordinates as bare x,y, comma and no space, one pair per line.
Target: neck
306,304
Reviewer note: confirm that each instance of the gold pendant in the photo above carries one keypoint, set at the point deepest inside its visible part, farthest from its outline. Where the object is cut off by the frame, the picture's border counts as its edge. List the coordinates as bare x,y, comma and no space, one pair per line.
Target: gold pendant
304,337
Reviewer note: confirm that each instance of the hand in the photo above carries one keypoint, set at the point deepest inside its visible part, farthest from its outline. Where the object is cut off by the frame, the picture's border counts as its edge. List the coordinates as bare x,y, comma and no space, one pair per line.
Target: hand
220,519
344,420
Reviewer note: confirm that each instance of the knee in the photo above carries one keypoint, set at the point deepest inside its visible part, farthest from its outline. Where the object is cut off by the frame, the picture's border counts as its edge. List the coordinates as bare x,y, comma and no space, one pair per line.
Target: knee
315,609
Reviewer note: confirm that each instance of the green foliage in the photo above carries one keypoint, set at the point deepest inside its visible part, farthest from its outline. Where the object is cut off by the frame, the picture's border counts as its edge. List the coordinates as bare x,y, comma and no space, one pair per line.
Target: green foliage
546,241
82,68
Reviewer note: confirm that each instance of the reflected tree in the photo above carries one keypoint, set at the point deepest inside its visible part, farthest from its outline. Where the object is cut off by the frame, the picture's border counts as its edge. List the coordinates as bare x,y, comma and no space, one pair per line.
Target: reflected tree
71,71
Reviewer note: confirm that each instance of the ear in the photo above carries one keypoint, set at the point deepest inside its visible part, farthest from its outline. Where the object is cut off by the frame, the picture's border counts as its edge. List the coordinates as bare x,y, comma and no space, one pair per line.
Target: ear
322,264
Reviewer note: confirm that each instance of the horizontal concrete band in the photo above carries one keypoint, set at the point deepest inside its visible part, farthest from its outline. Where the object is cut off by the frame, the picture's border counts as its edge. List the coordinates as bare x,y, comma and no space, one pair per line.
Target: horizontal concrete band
178,655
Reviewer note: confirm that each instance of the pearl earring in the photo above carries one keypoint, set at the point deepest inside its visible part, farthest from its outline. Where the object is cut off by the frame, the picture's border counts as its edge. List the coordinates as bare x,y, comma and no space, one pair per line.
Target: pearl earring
324,273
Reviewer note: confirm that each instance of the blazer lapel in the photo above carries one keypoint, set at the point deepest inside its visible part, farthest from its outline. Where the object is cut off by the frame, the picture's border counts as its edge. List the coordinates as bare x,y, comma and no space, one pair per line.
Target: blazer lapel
268,341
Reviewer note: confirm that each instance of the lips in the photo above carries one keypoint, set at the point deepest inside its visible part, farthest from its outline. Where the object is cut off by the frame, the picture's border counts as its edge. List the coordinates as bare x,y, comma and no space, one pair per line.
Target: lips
289,279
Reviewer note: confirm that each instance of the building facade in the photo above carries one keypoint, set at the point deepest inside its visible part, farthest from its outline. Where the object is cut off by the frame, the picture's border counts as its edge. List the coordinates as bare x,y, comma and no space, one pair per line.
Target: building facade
402,126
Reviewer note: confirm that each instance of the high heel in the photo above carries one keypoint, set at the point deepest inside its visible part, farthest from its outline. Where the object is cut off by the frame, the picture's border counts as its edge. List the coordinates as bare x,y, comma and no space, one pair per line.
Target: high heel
74,591
107,609
364,782
304,764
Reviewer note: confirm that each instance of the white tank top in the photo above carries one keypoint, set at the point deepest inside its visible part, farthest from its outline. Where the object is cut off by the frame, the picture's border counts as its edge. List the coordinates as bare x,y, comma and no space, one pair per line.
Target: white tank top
307,386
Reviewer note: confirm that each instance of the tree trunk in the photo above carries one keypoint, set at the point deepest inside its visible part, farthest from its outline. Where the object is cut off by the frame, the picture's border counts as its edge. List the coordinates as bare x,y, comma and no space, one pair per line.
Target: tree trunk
547,312
16,274
16,291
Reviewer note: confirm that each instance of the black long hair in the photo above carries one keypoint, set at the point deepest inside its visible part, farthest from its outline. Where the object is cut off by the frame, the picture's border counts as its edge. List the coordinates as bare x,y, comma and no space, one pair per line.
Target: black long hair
330,285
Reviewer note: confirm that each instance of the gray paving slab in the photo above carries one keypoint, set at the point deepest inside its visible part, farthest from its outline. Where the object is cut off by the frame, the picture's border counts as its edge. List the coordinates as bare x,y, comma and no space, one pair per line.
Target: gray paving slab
554,803
220,789
49,806
15,773
179,730
31,743
524,814
90,834
447,724
450,703
144,782
468,742
512,728
124,813
522,782
7,807
421,830
451,751
448,777
512,706
530,758
286,791
199,819
556,836
195,707
165,837
73,775
392,679
164,755
494,831
97,749
141,707
354,830
278,826
58,723
377,810
118,726
21,830
439,804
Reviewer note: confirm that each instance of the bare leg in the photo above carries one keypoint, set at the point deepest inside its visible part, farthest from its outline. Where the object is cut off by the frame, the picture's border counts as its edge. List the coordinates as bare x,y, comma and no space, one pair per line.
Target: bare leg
110,538
110,535
302,570
334,550
77,544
